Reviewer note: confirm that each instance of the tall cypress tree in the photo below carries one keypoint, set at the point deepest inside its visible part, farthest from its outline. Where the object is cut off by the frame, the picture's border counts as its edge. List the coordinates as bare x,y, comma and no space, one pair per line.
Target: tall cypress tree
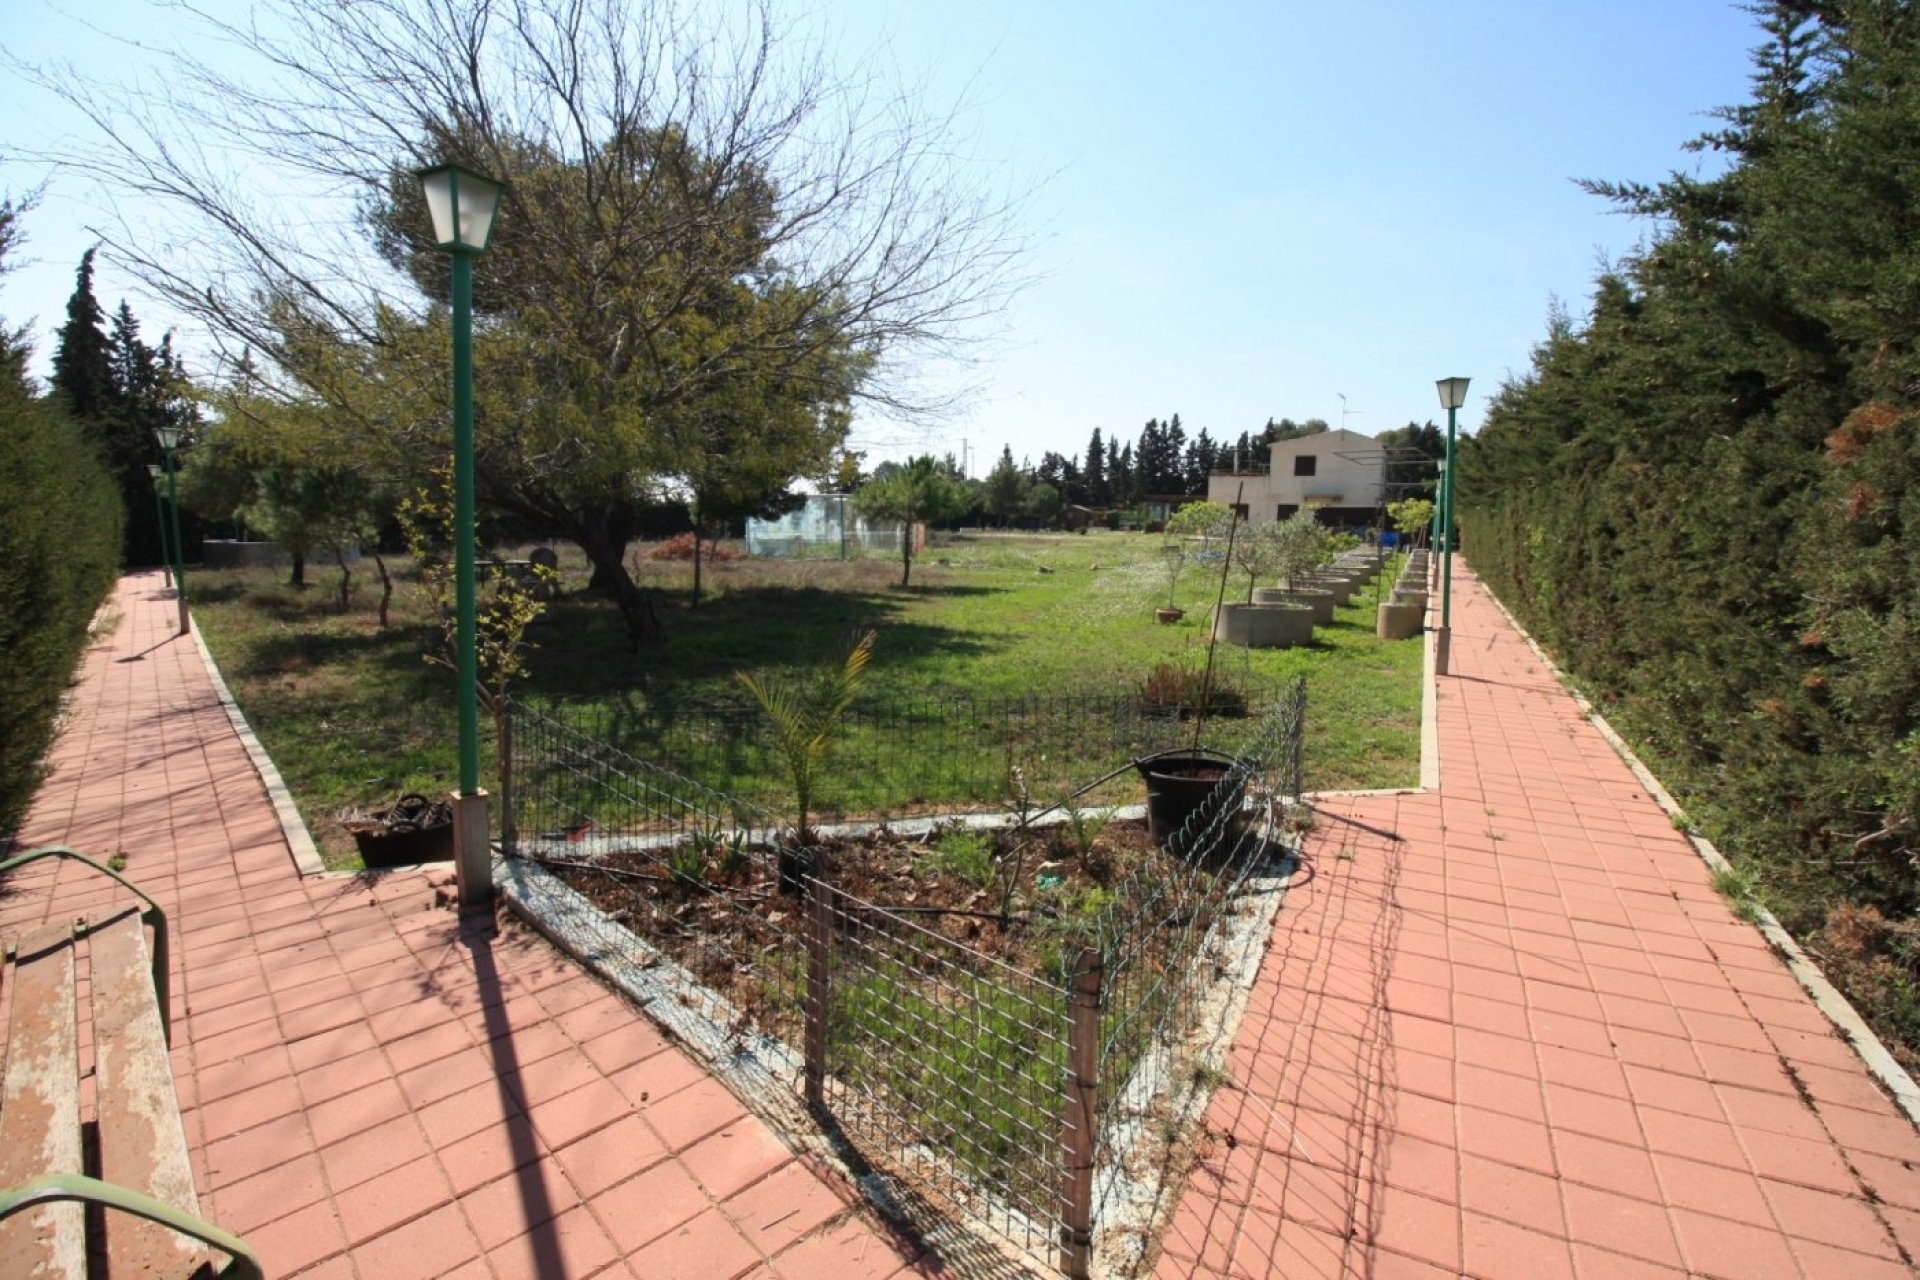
119,388
82,368
1099,491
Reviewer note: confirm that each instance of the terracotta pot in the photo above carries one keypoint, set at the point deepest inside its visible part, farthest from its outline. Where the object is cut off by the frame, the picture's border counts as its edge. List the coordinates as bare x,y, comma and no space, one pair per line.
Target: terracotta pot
1167,617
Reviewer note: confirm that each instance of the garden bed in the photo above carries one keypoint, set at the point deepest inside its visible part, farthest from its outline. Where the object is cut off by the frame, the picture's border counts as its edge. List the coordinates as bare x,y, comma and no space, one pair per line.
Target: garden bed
1023,899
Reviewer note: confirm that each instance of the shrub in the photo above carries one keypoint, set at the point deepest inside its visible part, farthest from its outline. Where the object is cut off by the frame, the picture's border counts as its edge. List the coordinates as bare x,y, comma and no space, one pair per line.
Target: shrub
1176,687
680,547
60,518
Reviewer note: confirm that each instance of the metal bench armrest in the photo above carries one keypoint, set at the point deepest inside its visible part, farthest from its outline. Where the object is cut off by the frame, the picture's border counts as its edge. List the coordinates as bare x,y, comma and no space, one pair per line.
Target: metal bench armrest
242,1264
153,915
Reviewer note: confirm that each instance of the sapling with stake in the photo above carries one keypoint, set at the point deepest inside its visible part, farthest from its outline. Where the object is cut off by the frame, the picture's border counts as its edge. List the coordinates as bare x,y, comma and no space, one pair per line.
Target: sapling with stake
804,722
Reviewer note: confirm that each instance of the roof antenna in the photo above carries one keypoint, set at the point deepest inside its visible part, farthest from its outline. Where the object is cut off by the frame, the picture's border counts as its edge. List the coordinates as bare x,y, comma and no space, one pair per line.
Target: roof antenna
1344,411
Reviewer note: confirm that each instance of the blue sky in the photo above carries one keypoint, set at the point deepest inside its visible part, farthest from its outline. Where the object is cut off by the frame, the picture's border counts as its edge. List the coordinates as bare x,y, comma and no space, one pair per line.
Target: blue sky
1239,210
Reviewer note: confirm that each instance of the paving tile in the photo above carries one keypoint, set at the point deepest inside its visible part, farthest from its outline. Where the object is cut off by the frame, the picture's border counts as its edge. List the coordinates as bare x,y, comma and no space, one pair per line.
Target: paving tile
706,1248
791,1202
1495,1248
645,1207
389,1199
734,1158
1519,1196
571,1244
1711,1189
526,1199
297,1240
847,1251
1621,1224
1723,1249
684,1118
1845,1221
422,1249
1421,1228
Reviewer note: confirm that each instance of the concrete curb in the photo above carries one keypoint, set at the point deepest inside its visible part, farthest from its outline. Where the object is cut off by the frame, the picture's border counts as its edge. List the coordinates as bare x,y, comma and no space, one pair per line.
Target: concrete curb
306,857
1873,1052
1430,712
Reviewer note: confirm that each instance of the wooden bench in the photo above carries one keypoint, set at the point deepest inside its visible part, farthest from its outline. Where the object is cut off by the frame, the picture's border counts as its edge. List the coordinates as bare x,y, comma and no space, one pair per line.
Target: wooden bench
133,1183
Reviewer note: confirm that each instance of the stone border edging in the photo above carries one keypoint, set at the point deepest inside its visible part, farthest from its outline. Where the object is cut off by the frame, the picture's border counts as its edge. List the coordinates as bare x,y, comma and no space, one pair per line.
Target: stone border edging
1874,1055
306,857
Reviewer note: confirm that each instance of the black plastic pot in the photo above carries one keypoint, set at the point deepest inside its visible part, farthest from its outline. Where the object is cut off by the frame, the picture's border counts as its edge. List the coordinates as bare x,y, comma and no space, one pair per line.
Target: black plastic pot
1178,783
413,830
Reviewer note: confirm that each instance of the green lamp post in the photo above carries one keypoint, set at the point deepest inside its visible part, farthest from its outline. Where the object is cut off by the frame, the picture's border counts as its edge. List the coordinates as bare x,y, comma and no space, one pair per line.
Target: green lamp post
1453,394
462,204
169,438
160,522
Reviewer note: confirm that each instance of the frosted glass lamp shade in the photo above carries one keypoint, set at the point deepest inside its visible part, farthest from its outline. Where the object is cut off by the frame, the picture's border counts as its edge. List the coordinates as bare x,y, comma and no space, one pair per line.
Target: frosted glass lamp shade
1453,392
167,436
462,204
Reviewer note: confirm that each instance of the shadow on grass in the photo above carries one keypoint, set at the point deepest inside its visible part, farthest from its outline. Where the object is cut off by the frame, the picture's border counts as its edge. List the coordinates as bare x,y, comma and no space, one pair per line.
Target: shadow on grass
583,650
396,652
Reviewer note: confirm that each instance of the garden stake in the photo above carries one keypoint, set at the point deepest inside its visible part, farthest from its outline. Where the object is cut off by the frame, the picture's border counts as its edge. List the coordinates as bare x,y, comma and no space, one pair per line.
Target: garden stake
1213,632
1082,1113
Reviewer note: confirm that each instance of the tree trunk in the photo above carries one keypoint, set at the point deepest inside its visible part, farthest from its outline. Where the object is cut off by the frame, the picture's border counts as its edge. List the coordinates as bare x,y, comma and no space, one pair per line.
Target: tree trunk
696,568
386,587
346,578
605,539
299,578
906,551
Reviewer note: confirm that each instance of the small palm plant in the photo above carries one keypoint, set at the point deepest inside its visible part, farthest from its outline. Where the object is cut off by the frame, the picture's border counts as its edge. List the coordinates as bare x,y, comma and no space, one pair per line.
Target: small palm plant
804,720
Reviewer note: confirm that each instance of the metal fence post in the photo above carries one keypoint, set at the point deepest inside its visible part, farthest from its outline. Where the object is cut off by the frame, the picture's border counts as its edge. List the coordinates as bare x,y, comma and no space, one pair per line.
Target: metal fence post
1082,1108
819,940
509,830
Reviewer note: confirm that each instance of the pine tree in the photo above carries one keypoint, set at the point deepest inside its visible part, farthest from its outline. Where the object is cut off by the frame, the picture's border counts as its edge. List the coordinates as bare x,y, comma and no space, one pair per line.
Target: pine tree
82,365
1003,488
1099,492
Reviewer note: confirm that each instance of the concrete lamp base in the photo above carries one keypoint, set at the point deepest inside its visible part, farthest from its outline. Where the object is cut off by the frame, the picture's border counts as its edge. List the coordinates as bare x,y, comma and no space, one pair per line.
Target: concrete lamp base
1442,643
472,852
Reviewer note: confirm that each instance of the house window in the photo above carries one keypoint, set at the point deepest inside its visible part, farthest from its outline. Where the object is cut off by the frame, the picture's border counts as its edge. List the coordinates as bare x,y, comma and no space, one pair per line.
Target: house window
1284,510
1305,464
1240,509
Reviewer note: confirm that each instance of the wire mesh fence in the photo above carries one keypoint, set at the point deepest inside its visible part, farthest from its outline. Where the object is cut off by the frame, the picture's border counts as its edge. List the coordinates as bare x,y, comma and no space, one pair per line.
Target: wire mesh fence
993,1088
920,756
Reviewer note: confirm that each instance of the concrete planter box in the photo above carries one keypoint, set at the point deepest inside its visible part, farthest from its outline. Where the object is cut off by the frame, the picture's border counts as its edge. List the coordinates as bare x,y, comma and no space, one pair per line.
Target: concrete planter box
1410,597
1342,588
1314,599
1263,626
1399,621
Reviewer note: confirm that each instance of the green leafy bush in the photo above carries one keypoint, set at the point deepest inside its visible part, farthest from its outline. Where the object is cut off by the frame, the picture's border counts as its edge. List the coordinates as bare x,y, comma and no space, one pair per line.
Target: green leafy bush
60,518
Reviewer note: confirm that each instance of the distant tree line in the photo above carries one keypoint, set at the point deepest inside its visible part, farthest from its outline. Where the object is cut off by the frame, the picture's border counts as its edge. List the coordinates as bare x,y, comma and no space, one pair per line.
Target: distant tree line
1705,495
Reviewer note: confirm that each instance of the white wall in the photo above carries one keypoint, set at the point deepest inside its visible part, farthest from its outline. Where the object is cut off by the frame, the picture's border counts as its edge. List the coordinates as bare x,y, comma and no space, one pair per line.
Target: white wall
1349,471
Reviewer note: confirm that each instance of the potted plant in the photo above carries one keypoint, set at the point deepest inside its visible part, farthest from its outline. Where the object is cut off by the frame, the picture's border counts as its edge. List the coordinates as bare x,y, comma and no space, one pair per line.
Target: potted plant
1176,560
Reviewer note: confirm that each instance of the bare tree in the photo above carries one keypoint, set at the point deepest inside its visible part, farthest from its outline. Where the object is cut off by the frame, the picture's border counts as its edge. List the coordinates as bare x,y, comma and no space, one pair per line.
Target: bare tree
693,211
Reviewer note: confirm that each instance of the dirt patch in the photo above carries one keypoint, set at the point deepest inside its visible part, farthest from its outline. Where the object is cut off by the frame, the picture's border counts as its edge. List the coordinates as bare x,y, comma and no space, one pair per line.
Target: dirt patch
1024,899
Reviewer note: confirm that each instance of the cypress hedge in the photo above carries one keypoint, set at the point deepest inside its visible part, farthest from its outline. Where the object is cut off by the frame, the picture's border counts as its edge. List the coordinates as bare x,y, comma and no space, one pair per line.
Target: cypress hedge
1706,498
60,531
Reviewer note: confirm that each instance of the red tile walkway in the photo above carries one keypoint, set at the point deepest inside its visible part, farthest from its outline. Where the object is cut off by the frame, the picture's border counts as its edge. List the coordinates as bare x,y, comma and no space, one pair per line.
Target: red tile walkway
1508,1030
1504,1030
371,1089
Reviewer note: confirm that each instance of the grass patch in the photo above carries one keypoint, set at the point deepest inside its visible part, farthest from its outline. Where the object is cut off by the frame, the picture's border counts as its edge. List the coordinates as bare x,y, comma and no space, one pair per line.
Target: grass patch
353,716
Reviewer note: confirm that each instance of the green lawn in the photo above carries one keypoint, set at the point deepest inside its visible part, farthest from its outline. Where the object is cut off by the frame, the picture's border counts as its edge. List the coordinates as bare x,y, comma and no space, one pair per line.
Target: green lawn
353,715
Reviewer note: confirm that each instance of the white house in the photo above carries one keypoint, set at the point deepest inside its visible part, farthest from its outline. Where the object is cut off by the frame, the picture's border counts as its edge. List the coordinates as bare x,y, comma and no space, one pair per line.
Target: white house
1340,474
